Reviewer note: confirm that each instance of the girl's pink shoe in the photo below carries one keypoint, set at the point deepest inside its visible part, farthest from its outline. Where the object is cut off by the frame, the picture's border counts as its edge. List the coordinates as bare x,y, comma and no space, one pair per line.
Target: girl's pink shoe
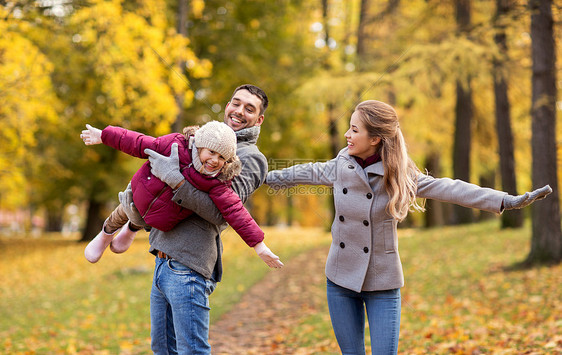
94,250
123,240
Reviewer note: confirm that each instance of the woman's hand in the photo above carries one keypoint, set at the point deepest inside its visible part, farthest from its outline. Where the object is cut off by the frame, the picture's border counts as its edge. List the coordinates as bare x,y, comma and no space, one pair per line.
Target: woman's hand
513,202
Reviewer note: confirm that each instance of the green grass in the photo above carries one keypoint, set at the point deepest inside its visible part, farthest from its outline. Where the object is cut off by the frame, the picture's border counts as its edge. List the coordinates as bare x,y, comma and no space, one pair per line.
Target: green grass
55,302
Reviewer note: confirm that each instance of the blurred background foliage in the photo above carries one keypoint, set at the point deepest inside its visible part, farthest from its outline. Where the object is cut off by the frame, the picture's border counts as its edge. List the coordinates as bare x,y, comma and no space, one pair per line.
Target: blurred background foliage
155,66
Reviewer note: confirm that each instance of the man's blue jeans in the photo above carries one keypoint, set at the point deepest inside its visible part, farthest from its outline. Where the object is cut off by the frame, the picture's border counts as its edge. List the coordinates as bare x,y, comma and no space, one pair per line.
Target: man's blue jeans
179,309
347,312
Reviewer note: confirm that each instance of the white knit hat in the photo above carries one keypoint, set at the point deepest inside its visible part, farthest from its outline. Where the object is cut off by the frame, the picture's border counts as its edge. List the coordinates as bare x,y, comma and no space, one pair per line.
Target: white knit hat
218,137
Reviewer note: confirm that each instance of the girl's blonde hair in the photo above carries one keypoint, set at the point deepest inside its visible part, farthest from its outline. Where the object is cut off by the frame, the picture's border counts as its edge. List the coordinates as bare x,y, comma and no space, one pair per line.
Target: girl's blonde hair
400,172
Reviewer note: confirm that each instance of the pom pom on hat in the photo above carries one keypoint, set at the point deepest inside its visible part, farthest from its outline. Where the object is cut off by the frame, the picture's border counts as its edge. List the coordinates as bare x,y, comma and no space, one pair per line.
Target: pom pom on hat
218,137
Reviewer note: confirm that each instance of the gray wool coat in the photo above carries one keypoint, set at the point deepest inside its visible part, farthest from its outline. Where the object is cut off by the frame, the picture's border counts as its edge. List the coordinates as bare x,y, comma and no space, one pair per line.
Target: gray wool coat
364,254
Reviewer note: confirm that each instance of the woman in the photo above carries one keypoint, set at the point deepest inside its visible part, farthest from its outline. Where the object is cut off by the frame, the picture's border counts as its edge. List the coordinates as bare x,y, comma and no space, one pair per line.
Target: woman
375,184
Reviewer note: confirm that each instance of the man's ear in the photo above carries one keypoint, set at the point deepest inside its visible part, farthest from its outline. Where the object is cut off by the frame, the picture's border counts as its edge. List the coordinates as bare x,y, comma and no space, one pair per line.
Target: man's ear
260,120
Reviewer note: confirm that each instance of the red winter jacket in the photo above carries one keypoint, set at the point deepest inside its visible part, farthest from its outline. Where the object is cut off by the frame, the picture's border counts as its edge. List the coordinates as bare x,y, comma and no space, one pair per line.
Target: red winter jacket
153,198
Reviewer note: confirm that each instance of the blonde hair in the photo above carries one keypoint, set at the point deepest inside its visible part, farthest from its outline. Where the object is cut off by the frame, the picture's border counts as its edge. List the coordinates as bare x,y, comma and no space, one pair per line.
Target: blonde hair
400,172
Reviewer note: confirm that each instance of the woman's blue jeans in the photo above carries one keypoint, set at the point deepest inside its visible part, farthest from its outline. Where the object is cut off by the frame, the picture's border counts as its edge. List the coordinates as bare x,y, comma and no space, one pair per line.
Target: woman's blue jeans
347,312
179,309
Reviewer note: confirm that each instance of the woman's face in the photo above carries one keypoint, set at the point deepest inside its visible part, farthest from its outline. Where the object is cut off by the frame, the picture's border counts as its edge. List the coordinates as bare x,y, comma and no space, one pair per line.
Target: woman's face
359,143
212,161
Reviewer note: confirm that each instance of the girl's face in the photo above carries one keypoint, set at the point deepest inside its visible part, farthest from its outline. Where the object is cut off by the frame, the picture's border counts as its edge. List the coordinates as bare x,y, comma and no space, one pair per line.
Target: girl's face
212,161
359,143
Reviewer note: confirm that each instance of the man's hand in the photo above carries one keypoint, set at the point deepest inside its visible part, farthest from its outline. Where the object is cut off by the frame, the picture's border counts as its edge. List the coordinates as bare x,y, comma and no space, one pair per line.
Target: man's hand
91,135
512,202
267,256
126,200
166,168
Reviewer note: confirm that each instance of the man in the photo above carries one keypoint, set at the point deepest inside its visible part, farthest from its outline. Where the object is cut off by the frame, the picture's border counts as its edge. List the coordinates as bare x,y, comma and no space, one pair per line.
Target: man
188,258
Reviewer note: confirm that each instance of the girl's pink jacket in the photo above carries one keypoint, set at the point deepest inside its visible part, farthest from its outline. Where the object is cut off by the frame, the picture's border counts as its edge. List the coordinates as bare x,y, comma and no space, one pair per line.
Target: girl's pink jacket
153,198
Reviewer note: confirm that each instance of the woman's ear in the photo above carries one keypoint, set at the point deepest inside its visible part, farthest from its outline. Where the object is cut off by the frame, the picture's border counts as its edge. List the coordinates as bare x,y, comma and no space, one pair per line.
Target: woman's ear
375,141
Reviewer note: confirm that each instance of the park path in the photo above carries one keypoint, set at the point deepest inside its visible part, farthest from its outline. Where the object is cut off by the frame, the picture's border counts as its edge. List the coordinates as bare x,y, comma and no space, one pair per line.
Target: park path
263,320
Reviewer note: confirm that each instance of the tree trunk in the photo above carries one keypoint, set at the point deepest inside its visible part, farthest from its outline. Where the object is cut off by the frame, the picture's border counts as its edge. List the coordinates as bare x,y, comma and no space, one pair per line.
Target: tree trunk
290,210
270,215
53,220
367,18
433,215
182,30
348,31
332,119
335,147
461,148
487,180
546,241
463,114
362,33
512,218
325,21
94,220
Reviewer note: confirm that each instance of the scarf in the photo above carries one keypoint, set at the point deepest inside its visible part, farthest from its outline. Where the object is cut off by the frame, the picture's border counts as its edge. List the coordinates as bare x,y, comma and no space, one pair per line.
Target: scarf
249,134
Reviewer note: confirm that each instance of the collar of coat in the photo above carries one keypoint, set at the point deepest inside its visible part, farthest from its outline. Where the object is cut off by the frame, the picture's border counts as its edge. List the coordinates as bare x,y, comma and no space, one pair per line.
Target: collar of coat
376,168
249,135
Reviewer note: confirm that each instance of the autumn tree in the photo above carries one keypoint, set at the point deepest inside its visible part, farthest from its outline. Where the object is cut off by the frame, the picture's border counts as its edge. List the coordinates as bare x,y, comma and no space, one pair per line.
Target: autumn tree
463,115
513,218
268,44
28,106
113,63
546,241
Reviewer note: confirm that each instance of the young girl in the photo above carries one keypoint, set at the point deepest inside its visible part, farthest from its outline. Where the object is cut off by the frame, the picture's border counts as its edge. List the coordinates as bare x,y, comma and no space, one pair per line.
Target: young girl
207,160
375,184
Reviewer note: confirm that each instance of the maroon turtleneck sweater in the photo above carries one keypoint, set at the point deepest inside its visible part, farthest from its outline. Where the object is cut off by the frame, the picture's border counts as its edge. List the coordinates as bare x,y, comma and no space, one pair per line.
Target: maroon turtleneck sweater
369,161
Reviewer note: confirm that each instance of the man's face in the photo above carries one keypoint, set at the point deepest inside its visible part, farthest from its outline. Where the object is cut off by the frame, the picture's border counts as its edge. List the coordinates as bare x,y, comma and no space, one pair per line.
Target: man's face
243,111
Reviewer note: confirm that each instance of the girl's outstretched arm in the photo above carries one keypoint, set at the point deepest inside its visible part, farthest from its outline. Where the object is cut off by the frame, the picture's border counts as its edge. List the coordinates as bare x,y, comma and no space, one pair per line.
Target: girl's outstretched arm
91,135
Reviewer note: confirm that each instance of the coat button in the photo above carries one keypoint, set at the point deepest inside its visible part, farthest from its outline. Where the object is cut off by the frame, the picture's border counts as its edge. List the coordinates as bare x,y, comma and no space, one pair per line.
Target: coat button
365,222
342,219
179,202
345,190
148,178
369,195
342,245
366,250
350,166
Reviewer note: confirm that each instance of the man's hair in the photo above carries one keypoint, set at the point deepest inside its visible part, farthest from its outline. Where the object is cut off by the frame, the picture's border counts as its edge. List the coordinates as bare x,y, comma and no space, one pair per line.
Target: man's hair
254,90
